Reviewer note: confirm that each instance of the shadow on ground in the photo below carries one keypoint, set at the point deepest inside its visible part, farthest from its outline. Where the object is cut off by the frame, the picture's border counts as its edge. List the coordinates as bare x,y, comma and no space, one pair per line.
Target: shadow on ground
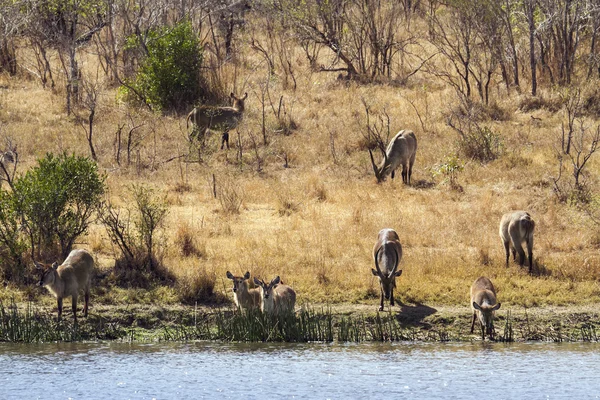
413,315
423,184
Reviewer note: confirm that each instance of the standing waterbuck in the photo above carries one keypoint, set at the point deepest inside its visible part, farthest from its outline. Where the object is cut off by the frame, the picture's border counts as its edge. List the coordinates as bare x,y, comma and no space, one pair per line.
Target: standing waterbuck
275,297
205,118
515,228
401,150
387,253
245,297
68,279
484,305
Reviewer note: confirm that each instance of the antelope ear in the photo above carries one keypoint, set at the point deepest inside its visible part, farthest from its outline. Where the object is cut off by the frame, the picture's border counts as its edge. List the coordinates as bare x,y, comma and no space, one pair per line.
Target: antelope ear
232,95
55,265
257,281
374,271
247,275
245,96
275,280
476,306
398,273
38,265
229,275
497,306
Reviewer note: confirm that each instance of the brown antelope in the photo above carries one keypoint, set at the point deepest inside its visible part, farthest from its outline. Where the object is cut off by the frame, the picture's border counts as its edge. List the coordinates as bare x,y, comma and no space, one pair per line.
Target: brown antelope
387,253
68,279
245,297
484,305
205,118
401,150
515,228
275,297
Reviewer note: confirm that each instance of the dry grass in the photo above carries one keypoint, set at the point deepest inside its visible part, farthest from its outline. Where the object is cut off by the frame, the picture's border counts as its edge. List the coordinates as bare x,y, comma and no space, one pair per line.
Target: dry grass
315,222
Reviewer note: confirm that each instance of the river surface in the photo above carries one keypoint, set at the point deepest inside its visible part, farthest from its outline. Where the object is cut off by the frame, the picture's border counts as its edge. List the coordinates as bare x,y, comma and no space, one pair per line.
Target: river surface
299,371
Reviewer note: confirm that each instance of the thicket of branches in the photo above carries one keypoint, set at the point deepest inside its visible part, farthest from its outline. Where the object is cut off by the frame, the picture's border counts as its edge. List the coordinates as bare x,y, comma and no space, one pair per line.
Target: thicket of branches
476,43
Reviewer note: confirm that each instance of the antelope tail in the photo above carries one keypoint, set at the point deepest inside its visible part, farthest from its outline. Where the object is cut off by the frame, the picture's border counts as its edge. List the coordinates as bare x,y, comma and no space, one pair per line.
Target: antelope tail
529,225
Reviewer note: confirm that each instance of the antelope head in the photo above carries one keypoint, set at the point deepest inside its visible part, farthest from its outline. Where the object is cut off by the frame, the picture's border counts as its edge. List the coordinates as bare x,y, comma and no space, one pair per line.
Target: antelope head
380,171
387,281
486,316
47,273
238,103
238,281
267,290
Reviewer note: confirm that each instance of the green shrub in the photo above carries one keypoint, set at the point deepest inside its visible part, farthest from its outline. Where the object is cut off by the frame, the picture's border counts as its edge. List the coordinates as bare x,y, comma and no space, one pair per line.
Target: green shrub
480,143
56,201
12,243
449,168
169,76
134,231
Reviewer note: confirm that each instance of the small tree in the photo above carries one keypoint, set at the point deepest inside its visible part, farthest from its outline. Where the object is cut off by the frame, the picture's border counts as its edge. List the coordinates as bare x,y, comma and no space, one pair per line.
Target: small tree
56,201
583,143
133,231
449,168
169,75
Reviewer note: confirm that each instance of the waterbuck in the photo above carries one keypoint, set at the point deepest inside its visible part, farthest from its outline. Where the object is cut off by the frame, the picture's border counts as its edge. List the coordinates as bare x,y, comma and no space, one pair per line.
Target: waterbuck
484,305
515,228
245,298
401,150
387,253
204,118
275,297
68,279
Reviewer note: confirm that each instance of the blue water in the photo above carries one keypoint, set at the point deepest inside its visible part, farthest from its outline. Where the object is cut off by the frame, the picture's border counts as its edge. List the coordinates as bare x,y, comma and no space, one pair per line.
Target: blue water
303,371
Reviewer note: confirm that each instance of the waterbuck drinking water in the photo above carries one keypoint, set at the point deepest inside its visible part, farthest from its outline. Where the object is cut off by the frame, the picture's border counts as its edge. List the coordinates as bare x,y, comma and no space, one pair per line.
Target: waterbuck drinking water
205,118
401,150
515,228
484,305
275,297
68,279
387,253
245,298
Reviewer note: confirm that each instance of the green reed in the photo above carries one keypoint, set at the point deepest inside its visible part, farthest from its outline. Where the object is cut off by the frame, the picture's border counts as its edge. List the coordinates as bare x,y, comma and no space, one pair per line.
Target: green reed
27,324
31,326
307,325
508,334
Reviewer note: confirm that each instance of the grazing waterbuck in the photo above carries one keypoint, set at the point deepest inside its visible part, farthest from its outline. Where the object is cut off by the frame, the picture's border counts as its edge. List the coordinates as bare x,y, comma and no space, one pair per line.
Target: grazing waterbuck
275,297
68,279
484,305
245,297
205,118
387,253
515,228
401,150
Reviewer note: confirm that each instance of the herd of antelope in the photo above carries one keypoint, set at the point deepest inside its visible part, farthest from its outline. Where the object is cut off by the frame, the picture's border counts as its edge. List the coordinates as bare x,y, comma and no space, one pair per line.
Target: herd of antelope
276,298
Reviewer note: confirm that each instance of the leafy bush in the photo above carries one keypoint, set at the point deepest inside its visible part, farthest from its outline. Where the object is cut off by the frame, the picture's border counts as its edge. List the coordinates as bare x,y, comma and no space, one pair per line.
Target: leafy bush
134,232
169,75
12,243
56,201
480,143
449,168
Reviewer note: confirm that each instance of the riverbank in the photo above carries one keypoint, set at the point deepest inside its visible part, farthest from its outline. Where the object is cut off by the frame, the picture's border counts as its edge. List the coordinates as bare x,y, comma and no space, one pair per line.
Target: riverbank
26,322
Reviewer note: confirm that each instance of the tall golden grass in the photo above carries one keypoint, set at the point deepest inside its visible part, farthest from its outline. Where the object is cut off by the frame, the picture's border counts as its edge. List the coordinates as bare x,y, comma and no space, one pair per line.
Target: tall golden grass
314,220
